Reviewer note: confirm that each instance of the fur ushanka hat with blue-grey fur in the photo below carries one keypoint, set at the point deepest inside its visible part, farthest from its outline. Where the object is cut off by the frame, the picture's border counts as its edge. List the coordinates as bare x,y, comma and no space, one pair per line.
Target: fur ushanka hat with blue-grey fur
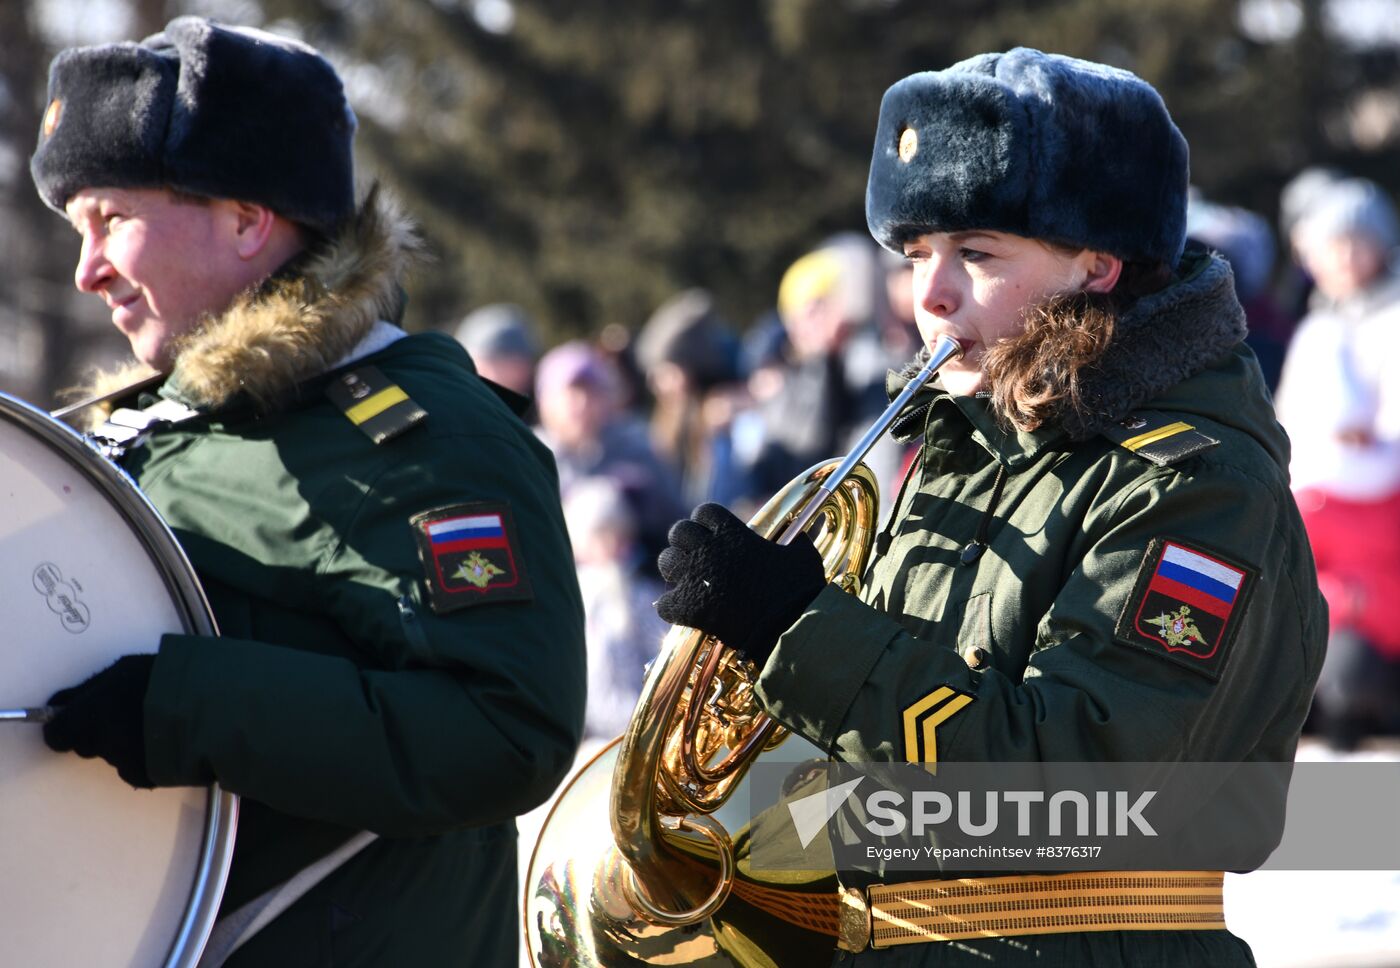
1039,145
226,112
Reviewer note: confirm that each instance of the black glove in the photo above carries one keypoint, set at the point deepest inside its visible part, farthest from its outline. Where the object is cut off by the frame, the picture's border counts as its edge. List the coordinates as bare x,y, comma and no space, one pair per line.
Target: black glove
103,716
734,584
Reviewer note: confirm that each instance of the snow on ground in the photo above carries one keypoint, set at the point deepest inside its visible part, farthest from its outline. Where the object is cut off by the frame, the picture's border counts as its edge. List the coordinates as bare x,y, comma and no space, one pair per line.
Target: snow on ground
1320,919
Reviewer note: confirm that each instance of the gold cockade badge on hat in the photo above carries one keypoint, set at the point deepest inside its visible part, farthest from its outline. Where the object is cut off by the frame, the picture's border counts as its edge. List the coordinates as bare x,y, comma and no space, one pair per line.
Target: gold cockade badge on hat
52,116
908,145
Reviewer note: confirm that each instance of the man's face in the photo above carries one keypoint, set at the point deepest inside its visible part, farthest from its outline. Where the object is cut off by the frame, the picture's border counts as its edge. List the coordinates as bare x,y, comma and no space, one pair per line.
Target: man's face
160,263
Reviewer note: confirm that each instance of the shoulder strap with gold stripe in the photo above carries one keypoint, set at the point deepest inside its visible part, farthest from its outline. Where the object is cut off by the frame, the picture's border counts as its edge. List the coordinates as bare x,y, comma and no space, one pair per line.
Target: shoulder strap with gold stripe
374,403
1158,437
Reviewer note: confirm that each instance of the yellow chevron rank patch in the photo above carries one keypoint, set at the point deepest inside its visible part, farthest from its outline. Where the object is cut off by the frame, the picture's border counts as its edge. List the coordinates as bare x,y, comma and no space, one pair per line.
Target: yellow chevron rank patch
921,722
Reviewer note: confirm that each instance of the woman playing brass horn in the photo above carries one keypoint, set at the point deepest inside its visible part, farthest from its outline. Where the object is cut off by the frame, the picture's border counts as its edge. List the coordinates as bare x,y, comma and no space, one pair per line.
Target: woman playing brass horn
1095,557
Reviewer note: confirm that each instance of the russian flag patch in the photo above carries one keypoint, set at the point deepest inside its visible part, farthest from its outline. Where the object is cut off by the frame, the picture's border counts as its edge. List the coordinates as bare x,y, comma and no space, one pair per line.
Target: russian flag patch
469,555
1187,605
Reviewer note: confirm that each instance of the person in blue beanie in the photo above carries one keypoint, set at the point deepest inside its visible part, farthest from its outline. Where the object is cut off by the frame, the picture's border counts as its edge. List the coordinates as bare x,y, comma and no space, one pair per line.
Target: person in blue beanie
1095,557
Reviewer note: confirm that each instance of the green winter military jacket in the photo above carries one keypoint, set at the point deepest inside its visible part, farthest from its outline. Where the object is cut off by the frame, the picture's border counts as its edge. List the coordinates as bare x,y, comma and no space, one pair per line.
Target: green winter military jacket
363,680
1049,645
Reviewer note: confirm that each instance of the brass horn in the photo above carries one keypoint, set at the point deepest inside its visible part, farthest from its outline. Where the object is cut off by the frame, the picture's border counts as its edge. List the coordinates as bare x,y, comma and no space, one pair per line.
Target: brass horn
638,862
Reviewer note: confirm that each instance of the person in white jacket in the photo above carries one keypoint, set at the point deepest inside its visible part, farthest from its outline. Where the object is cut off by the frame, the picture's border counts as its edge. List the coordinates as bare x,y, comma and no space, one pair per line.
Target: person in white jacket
1340,405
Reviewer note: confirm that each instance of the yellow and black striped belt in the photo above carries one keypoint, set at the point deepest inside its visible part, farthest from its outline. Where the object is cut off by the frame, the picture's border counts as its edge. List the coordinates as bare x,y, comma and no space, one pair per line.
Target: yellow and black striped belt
914,912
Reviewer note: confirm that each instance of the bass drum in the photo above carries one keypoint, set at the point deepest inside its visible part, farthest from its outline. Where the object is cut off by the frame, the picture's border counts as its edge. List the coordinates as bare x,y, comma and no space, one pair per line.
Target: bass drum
94,872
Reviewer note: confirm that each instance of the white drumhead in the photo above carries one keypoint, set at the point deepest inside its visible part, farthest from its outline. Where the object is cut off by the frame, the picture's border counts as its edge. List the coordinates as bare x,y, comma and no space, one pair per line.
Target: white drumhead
92,872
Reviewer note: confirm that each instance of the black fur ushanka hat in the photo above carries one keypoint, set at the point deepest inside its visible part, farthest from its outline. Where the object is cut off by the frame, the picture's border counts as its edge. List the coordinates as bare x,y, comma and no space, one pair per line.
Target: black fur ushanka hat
227,112
1039,145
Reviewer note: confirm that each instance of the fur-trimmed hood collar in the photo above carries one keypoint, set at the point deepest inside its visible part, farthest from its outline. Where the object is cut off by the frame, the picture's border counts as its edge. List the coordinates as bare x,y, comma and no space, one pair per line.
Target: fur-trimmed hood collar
299,323
1163,339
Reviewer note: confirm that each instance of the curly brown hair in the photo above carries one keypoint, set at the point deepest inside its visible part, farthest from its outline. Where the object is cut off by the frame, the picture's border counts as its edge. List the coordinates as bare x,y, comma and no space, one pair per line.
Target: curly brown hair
1036,375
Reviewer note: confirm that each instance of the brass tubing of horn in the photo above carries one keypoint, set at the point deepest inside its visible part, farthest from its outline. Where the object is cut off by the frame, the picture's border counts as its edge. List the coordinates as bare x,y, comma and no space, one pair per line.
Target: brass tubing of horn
693,711
652,862
637,831
762,726
641,903
845,511
759,736
638,780
752,744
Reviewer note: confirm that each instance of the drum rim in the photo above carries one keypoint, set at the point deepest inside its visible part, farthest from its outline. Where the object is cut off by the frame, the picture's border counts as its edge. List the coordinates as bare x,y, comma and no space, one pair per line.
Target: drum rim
221,814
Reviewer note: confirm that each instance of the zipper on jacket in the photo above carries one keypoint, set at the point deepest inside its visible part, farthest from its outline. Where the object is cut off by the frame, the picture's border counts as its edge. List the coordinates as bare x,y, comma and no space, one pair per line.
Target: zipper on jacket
974,548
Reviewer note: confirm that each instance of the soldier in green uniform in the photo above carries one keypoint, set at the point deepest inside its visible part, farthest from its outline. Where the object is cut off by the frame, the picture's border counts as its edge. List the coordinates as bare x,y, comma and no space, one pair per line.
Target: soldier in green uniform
400,670
1095,557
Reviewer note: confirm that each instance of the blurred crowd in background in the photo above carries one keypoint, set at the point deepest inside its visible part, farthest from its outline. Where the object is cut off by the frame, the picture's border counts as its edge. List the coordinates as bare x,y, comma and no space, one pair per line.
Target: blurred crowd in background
693,407
586,165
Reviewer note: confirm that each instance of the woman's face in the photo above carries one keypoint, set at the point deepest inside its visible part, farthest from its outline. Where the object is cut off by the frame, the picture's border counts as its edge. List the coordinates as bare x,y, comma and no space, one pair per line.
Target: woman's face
975,287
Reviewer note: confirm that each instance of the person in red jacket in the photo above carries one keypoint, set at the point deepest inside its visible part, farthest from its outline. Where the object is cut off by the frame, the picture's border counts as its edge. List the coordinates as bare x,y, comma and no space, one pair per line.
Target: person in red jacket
1338,402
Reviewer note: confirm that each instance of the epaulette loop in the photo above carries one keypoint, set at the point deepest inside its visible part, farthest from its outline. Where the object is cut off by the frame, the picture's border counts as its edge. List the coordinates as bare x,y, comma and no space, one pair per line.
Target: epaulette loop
1159,438
374,403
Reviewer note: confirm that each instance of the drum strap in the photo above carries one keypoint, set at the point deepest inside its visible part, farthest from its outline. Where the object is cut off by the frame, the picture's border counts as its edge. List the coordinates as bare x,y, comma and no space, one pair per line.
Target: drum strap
236,927
127,428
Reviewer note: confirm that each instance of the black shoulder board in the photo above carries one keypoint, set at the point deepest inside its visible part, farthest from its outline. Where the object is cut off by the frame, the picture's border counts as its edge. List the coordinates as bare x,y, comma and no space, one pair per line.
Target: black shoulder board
1158,437
373,403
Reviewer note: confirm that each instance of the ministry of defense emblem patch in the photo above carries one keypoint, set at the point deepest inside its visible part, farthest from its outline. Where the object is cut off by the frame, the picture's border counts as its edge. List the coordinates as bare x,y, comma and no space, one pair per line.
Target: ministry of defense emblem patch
470,555
1187,605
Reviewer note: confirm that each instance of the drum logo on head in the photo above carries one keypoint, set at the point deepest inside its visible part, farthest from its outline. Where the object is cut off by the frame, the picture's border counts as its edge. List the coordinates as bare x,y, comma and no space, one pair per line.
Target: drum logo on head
62,597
